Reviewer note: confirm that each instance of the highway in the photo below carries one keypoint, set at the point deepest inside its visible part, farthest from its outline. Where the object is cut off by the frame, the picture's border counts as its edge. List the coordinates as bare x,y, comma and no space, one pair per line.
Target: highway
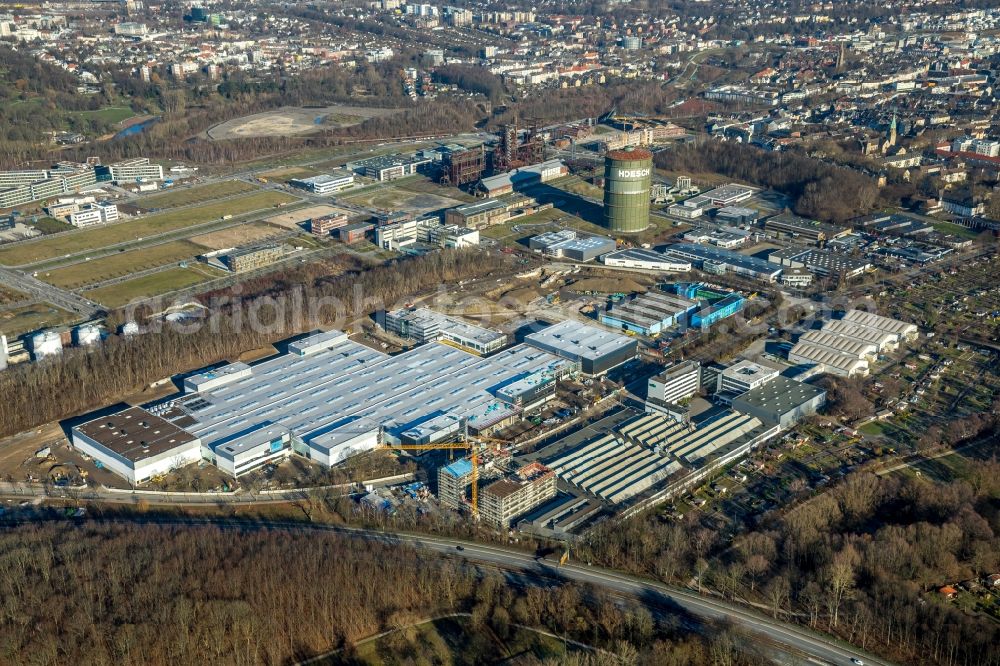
797,645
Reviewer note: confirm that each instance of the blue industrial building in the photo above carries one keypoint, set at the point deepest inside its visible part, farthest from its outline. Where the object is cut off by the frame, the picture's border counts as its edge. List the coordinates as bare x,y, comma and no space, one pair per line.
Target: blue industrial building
718,311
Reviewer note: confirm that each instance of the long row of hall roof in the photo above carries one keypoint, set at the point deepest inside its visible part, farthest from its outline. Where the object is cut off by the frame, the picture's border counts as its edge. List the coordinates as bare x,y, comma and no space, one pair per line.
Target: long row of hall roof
328,393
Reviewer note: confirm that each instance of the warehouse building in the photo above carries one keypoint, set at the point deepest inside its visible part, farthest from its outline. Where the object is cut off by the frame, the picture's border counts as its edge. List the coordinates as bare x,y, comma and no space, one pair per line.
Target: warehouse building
501,502
453,481
136,444
595,350
391,167
650,313
329,398
828,360
904,330
677,382
781,401
882,340
424,325
787,225
478,215
820,262
614,469
713,259
645,259
506,183
736,215
571,245
323,183
840,343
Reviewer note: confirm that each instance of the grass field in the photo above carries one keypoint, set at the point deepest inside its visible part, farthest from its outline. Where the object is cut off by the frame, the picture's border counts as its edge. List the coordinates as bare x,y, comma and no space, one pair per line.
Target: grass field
397,198
50,225
186,196
101,237
40,315
285,174
117,265
110,114
8,295
955,229
164,282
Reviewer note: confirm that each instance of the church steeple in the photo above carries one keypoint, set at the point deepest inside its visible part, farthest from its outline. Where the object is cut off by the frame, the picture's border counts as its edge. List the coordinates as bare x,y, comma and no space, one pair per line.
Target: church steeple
892,131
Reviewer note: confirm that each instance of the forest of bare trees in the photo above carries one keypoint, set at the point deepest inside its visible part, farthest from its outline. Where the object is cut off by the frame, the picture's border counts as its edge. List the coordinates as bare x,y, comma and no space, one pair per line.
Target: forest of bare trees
863,561
97,594
81,380
819,190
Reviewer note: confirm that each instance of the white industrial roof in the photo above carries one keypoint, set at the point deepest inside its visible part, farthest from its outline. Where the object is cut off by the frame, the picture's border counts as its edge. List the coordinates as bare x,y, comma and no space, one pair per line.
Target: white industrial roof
580,339
860,332
817,354
882,323
330,396
841,343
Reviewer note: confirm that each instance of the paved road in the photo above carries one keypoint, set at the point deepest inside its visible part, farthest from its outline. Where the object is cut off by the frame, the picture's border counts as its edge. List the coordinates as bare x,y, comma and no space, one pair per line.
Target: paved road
800,645
42,291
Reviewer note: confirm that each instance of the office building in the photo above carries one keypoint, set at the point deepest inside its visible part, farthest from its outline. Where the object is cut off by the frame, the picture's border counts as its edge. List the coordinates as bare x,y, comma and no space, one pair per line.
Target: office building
135,170
501,502
353,233
323,225
650,313
744,376
401,235
93,214
781,401
323,184
248,259
676,383
571,245
423,325
594,350
136,444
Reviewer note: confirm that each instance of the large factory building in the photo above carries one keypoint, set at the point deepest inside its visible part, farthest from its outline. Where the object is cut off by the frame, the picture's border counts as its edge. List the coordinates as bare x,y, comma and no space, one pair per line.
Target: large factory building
327,398
626,190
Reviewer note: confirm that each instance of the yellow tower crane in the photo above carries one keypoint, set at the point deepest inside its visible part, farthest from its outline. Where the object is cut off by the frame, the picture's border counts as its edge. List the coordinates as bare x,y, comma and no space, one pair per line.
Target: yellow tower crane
449,446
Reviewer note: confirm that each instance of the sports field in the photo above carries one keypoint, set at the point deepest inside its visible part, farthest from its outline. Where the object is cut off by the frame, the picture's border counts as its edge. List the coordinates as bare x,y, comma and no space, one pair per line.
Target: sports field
186,196
164,282
123,263
72,243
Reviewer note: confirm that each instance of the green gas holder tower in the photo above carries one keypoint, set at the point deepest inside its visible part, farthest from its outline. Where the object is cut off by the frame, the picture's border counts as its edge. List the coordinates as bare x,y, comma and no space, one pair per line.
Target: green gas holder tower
626,189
